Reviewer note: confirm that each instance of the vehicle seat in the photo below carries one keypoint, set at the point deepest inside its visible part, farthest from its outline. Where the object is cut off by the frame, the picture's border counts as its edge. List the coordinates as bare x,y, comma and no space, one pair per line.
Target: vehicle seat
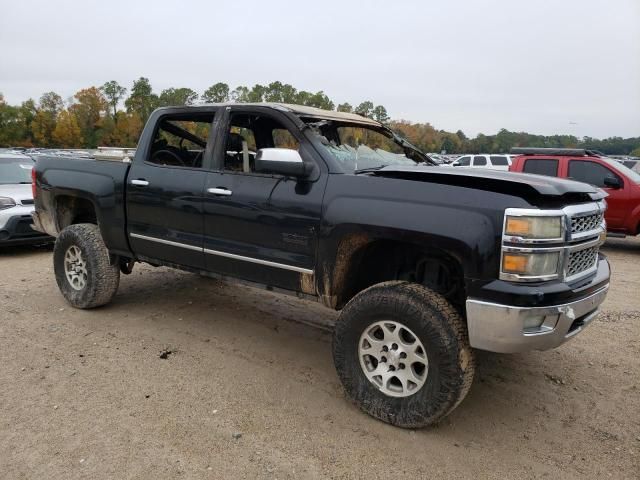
233,154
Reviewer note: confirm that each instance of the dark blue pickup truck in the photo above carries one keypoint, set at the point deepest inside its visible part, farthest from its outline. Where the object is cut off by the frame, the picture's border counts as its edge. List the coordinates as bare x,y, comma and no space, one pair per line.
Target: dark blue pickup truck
426,263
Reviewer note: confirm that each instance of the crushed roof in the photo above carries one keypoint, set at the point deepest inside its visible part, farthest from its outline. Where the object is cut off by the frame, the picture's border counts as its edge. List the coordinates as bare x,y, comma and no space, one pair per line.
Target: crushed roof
301,110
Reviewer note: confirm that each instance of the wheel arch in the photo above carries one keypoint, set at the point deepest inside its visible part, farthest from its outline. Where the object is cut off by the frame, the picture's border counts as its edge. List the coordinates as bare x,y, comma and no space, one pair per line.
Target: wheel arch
362,260
73,209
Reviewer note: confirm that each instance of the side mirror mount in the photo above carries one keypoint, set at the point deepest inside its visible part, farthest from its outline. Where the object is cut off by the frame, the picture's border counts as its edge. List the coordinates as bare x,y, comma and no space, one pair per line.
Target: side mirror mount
282,161
612,182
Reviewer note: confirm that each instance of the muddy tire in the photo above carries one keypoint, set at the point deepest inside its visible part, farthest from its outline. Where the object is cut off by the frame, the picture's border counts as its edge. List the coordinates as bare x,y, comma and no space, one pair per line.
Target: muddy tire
81,265
402,353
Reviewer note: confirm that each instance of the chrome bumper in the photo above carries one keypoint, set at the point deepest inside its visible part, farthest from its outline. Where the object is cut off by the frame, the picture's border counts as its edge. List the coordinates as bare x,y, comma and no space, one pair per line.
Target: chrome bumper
508,329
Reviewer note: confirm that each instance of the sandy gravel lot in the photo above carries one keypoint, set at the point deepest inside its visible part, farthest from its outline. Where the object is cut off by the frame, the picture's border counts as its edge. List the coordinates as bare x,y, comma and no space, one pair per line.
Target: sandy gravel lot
249,392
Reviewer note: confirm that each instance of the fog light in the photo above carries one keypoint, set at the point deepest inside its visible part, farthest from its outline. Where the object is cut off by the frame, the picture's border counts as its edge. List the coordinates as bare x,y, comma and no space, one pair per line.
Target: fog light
533,322
531,264
514,263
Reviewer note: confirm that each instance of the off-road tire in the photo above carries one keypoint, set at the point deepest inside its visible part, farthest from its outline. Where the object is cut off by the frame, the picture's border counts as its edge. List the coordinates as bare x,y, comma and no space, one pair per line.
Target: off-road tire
102,277
438,326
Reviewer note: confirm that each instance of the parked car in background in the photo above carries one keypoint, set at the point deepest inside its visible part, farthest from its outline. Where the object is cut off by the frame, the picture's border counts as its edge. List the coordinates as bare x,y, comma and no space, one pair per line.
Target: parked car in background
621,183
631,164
16,201
493,162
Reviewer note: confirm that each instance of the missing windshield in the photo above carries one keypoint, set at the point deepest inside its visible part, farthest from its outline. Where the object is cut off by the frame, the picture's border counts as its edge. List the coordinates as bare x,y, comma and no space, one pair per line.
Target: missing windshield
358,148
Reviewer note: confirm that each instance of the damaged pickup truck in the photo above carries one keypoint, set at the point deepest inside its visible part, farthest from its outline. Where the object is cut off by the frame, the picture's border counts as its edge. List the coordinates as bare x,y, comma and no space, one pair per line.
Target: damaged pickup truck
425,263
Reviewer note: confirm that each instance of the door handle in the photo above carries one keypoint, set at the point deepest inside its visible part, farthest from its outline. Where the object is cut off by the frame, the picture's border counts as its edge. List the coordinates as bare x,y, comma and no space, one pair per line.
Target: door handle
139,181
220,191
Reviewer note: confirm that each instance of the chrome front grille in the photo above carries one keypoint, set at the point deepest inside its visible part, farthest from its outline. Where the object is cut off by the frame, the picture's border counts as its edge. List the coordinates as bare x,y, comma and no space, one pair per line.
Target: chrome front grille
586,223
581,261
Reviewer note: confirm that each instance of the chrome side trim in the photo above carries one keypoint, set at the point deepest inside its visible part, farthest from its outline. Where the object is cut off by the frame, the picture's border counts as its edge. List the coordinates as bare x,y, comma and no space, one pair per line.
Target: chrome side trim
233,256
258,261
166,242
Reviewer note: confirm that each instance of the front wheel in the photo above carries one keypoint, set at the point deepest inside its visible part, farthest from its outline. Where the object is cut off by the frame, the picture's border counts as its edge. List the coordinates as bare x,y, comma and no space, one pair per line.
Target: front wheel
82,268
402,354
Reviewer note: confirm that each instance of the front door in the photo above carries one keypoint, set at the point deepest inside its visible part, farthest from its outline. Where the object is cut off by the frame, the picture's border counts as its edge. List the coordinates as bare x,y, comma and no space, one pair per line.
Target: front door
261,227
165,191
595,174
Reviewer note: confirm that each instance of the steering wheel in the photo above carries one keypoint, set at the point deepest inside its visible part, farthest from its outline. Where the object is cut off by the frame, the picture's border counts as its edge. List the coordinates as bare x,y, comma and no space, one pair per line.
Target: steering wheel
197,161
172,154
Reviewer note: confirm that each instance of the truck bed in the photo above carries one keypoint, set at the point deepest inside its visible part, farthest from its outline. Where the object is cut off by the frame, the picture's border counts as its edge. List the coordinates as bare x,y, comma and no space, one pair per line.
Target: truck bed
78,179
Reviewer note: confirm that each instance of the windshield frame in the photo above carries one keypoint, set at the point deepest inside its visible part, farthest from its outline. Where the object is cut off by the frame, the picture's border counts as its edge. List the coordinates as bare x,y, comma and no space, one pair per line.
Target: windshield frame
631,175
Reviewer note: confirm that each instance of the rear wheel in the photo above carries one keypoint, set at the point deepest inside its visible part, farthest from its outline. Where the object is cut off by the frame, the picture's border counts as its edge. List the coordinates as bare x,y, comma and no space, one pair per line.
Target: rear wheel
402,354
82,268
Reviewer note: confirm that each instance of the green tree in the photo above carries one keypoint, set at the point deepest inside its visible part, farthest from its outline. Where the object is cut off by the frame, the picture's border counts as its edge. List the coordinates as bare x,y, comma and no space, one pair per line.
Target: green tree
142,101
379,113
240,94
318,100
89,109
345,107
256,94
27,114
216,93
9,124
451,143
51,102
365,109
280,92
16,123
114,93
44,121
170,97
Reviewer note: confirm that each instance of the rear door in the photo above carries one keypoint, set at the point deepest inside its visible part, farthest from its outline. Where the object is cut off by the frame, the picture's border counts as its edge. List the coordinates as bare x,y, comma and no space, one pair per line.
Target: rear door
165,190
261,227
480,161
499,162
542,166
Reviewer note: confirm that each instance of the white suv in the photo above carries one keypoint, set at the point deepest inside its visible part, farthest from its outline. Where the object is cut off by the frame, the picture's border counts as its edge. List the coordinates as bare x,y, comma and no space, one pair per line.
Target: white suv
16,201
494,162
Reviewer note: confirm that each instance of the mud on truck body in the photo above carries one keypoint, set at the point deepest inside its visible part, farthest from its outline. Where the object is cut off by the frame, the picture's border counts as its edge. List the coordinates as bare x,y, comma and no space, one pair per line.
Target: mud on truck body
425,263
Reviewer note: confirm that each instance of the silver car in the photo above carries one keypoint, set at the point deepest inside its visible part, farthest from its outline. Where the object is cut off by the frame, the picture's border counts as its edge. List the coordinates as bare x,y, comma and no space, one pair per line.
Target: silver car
16,201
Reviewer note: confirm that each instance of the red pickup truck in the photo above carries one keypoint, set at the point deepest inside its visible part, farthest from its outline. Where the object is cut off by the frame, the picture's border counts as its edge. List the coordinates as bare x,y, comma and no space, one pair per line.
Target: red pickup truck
621,183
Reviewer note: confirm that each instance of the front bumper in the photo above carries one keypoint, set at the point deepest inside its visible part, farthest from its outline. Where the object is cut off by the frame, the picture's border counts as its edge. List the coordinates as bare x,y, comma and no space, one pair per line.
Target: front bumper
507,328
15,227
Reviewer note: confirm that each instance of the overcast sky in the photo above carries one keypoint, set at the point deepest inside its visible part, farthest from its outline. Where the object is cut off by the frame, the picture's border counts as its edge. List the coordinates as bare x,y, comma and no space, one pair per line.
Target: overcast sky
563,66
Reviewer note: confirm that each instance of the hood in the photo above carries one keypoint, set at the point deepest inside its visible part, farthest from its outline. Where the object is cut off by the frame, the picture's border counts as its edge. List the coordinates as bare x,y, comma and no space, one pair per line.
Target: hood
19,192
524,185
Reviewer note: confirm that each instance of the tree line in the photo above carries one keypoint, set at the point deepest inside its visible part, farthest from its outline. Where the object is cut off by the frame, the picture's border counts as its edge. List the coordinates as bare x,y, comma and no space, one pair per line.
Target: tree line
93,116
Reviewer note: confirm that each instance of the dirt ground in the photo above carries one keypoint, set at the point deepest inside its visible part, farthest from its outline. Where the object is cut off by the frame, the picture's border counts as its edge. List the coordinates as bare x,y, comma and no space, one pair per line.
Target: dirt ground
250,392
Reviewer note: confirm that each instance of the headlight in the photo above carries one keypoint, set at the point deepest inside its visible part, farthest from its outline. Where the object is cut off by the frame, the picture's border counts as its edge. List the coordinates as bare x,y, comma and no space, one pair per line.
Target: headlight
534,227
7,202
531,264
